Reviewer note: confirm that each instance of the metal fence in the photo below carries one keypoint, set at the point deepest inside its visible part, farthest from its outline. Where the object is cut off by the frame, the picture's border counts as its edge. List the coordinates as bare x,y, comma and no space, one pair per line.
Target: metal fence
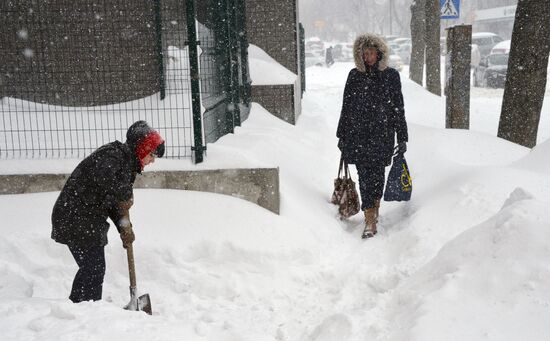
225,80
76,74
302,58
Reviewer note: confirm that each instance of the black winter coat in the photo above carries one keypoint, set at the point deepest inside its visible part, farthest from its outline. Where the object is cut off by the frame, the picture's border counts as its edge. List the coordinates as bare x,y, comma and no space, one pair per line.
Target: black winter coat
92,194
372,113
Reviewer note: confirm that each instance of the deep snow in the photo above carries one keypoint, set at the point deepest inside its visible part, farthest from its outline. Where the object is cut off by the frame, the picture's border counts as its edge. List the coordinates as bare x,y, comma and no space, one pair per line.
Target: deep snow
468,258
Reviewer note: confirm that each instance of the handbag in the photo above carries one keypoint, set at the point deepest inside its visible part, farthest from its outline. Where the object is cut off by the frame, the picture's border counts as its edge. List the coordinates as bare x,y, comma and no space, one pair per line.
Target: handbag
344,194
399,184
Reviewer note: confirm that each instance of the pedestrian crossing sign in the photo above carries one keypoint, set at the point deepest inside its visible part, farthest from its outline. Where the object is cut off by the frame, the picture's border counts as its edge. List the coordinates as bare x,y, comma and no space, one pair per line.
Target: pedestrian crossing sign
449,9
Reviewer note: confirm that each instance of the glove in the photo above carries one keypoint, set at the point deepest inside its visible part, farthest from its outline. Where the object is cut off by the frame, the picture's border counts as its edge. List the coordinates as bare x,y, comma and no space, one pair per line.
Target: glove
401,147
127,236
124,225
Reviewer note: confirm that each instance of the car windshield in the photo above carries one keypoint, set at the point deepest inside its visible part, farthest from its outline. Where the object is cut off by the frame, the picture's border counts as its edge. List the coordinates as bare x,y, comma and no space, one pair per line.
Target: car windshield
498,59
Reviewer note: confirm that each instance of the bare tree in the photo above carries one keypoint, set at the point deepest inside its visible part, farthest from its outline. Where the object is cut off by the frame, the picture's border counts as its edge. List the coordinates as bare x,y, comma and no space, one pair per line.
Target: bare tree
357,16
526,76
418,33
400,18
433,55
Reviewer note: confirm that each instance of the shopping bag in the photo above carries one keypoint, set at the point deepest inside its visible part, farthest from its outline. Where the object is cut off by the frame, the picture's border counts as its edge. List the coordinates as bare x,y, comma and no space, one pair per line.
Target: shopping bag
338,185
399,183
344,194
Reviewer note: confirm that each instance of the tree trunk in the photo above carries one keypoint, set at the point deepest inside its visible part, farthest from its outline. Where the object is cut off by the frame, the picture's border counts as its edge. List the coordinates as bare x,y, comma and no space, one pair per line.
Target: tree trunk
418,29
526,75
433,56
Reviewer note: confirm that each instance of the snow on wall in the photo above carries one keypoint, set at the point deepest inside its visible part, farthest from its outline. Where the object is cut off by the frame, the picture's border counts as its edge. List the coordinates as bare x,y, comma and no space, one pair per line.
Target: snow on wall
265,70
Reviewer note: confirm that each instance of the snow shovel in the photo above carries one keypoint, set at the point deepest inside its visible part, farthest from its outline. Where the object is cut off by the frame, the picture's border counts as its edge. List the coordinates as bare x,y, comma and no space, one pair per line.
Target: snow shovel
143,302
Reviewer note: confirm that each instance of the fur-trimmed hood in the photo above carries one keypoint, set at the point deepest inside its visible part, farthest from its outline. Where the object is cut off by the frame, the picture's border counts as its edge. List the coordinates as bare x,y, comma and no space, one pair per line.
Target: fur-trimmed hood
365,41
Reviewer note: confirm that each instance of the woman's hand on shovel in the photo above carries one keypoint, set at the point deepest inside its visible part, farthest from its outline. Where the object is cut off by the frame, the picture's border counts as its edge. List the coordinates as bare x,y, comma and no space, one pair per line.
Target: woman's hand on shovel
127,236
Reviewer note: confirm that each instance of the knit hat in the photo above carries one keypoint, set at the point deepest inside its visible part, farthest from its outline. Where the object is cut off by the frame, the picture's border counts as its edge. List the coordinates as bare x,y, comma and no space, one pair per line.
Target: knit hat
152,142
143,140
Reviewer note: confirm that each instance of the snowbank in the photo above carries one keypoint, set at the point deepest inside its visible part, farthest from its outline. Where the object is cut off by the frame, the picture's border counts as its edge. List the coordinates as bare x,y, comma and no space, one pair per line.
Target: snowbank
489,282
538,159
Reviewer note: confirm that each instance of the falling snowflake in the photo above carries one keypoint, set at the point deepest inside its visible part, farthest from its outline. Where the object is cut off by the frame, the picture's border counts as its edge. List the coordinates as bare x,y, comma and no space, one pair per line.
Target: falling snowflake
28,52
23,34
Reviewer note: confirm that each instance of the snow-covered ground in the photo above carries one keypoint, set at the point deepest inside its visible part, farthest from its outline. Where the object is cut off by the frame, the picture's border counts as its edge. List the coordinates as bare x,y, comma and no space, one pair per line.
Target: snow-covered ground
468,258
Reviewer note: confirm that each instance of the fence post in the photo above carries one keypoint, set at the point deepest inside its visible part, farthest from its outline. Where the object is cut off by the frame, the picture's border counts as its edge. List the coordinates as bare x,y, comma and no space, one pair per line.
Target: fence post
234,60
158,29
198,149
457,77
303,58
244,85
224,46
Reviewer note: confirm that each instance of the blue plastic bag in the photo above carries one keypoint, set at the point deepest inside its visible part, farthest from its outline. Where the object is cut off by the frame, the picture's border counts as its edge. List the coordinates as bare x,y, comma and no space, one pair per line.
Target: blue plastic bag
399,184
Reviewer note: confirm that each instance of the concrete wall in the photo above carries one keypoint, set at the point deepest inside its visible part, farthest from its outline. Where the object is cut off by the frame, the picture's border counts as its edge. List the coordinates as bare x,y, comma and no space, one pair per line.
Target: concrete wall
280,100
258,185
273,26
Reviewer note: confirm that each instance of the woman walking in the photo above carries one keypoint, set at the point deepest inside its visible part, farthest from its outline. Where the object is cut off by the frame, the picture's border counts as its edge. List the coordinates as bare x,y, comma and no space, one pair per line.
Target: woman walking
372,114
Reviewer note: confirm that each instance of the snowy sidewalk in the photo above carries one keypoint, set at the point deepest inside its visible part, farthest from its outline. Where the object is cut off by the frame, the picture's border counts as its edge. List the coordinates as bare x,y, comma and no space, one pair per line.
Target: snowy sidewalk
465,259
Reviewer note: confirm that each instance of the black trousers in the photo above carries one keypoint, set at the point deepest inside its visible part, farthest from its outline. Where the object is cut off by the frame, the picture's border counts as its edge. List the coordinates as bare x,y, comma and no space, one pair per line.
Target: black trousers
88,281
371,183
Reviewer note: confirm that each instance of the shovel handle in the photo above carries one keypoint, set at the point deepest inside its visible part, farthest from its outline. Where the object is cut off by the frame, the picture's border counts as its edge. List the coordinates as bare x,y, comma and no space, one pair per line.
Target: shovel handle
131,265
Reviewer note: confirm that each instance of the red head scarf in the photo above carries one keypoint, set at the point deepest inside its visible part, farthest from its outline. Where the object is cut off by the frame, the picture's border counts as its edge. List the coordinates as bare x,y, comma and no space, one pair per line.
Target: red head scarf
148,144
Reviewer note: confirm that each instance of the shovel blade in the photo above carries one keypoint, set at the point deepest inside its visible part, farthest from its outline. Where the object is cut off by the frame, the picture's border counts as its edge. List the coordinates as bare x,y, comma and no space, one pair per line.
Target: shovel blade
142,303
145,304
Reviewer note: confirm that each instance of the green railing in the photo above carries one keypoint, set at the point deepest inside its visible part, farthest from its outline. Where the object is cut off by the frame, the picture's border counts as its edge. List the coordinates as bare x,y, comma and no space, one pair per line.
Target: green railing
225,81
302,58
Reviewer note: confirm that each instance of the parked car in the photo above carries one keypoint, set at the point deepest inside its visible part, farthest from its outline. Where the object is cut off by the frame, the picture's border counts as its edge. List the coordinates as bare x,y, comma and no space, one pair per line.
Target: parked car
485,41
394,48
314,59
395,62
405,53
491,71
502,47
342,52
315,44
475,57
347,52
401,41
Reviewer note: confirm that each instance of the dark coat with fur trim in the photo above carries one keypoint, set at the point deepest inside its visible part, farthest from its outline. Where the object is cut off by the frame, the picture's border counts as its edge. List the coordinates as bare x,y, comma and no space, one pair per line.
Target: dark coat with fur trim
373,110
93,193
